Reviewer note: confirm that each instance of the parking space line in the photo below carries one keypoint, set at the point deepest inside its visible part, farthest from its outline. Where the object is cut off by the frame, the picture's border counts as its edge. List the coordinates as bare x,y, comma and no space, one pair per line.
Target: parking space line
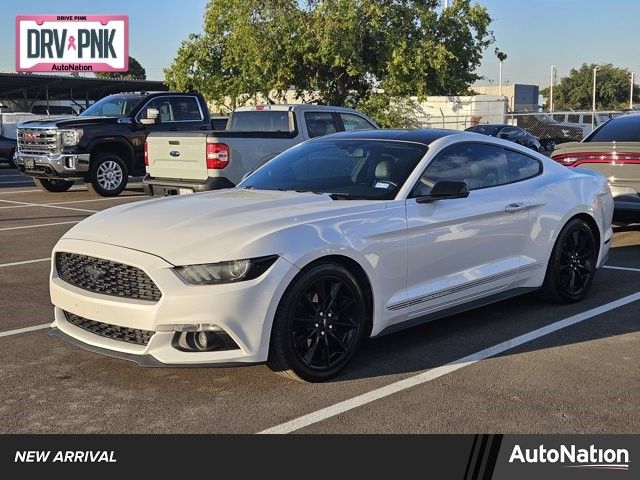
25,262
428,375
48,206
18,331
626,269
77,188
38,226
20,191
72,201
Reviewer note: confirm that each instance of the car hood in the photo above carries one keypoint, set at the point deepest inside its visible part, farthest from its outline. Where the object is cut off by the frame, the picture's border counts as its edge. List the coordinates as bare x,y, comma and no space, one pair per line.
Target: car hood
69,121
211,226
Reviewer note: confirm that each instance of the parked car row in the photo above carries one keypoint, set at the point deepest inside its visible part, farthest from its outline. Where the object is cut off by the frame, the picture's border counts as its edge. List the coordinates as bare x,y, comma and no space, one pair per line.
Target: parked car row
171,140
187,150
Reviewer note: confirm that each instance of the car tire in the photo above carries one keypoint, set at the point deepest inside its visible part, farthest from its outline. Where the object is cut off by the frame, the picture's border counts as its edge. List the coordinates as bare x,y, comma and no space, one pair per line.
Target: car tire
51,185
108,175
12,163
572,265
319,324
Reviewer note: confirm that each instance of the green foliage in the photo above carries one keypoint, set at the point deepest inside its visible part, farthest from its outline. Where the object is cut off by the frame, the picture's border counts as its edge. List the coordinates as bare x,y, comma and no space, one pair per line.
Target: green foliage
575,91
135,72
361,53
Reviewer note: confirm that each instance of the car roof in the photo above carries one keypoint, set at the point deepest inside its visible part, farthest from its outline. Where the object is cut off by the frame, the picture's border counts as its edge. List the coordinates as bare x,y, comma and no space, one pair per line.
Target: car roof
424,136
630,118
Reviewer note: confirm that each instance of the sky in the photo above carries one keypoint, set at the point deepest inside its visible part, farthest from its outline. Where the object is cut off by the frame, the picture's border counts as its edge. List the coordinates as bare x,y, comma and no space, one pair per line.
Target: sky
533,33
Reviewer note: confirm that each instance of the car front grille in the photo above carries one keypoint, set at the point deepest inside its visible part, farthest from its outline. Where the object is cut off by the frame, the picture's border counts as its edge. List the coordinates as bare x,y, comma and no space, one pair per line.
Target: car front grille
114,332
106,277
38,141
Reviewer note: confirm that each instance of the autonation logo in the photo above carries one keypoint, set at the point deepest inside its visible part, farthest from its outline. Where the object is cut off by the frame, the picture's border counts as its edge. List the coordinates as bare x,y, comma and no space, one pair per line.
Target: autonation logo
573,457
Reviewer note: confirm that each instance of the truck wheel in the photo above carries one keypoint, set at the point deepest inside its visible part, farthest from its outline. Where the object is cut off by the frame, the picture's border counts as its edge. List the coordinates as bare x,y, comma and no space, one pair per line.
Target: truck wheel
108,175
52,185
12,162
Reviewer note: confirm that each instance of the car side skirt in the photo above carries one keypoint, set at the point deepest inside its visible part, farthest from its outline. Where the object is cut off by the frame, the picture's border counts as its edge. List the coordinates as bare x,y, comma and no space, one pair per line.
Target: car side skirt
456,309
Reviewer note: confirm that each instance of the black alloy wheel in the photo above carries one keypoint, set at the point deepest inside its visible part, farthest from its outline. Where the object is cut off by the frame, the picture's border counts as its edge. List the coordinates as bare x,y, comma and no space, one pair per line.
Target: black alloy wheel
323,326
572,265
319,325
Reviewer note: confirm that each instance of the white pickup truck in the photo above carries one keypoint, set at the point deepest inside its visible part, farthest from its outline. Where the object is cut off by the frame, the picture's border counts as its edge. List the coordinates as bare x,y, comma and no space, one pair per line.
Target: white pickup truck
186,162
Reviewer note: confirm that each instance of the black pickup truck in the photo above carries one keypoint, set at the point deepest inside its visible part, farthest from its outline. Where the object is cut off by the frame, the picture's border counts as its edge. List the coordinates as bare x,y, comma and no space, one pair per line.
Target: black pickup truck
105,144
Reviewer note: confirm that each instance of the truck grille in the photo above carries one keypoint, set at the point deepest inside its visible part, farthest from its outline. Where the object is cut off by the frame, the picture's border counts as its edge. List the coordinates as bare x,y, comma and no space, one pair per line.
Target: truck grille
115,332
106,277
38,141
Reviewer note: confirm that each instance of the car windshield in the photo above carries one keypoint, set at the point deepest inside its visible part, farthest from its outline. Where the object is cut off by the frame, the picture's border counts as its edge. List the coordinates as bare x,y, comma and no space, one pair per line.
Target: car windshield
491,130
113,106
543,117
345,169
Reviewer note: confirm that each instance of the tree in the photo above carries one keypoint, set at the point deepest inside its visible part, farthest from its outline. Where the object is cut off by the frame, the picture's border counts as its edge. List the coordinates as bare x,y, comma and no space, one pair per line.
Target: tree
575,91
135,72
358,53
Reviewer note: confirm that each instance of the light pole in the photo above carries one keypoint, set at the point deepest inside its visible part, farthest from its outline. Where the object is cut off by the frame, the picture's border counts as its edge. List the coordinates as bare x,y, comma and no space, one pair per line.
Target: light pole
501,58
593,122
633,74
553,81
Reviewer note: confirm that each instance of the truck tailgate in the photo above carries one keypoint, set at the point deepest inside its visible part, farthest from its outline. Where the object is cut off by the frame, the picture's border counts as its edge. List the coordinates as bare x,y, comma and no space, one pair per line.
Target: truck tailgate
180,155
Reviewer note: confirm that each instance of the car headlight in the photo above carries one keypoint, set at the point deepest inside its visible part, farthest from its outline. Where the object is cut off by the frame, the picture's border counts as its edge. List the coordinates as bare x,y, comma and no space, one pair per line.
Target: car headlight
225,272
71,137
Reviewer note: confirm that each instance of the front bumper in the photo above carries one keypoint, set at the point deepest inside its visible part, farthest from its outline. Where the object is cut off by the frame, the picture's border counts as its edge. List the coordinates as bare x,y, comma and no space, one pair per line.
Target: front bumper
244,310
65,166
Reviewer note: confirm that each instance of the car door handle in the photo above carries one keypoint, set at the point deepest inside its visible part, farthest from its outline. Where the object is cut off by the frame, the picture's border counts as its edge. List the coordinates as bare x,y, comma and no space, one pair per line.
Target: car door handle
515,207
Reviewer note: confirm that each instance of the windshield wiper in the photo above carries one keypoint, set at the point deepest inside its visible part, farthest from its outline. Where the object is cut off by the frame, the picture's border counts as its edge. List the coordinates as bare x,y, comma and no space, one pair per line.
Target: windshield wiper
343,196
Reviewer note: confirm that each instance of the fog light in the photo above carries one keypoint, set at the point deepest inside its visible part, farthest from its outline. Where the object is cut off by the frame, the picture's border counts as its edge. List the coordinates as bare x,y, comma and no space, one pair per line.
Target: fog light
201,338
70,162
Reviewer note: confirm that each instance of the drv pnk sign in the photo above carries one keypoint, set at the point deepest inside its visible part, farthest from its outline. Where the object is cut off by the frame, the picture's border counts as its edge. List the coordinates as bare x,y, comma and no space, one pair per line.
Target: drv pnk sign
72,43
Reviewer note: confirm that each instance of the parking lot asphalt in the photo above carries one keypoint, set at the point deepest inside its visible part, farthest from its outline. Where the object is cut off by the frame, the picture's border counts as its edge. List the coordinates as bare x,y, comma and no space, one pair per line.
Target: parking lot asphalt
429,379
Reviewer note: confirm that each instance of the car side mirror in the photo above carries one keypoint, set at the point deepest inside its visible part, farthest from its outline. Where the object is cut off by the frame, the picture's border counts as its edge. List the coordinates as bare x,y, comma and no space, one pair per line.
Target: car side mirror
445,190
503,135
152,116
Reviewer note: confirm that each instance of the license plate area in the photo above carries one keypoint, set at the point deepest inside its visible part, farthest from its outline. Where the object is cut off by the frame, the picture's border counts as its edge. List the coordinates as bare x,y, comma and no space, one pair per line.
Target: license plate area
29,163
177,191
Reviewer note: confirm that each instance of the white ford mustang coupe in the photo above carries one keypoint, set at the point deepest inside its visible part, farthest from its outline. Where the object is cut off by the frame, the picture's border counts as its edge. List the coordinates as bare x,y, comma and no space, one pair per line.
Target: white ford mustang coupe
338,239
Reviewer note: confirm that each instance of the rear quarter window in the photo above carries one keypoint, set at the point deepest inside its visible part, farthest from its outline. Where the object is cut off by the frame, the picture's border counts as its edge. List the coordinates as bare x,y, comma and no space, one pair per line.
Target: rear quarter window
522,166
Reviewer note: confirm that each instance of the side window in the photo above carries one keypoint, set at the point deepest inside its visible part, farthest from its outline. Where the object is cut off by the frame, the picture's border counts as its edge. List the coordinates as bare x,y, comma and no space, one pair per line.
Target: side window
185,109
559,117
355,122
510,132
162,105
522,166
479,165
587,119
573,118
319,123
